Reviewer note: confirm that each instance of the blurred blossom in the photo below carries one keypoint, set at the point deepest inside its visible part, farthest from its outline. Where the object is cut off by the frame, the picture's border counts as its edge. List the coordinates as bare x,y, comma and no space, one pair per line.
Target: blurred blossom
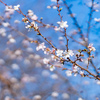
56,1
38,64
56,28
45,73
7,8
75,69
2,62
25,43
52,68
68,73
18,52
15,66
54,94
80,99
17,21
48,7
37,97
47,25
16,7
5,24
54,7
7,98
41,46
65,96
27,61
46,61
95,4
12,40
10,36
27,78
61,38
2,30
98,82
30,13
97,19
31,56
54,76
86,82
13,80
3,34
37,57
34,17
81,72
91,48
30,50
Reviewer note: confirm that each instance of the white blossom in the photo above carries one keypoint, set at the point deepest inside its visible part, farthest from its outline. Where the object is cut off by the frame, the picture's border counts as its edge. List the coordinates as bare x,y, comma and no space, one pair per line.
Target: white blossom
81,72
59,52
63,24
68,54
54,76
52,68
65,96
46,61
80,99
48,7
91,48
34,17
17,21
12,40
15,66
68,73
37,97
97,19
16,7
30,13
57,28
5,24
41,46
54,94
45,73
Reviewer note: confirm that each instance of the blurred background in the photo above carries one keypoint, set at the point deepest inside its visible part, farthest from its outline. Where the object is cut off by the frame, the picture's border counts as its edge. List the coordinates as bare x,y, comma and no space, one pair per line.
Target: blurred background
23,76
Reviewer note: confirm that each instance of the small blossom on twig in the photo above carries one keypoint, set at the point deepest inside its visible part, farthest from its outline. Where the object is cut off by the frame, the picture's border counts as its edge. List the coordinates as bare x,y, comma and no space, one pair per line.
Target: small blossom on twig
91,48
16,7
62,24
41,46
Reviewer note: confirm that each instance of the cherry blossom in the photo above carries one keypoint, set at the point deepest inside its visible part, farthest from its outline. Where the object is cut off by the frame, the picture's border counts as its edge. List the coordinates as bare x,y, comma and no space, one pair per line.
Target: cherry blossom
59,52
68,54
91,48
41,46
54,94
62,24
68,73
16,7
57,28
52,67
46,61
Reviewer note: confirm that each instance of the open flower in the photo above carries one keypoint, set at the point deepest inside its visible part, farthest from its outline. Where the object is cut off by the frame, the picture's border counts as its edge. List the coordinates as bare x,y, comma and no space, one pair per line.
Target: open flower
91,48
63,24
68,54
46,61
41,46
16,7
68,73
59,52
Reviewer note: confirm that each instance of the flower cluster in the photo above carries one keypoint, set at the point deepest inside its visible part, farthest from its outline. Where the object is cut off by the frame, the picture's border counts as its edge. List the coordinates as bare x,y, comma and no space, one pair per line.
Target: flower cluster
64,54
